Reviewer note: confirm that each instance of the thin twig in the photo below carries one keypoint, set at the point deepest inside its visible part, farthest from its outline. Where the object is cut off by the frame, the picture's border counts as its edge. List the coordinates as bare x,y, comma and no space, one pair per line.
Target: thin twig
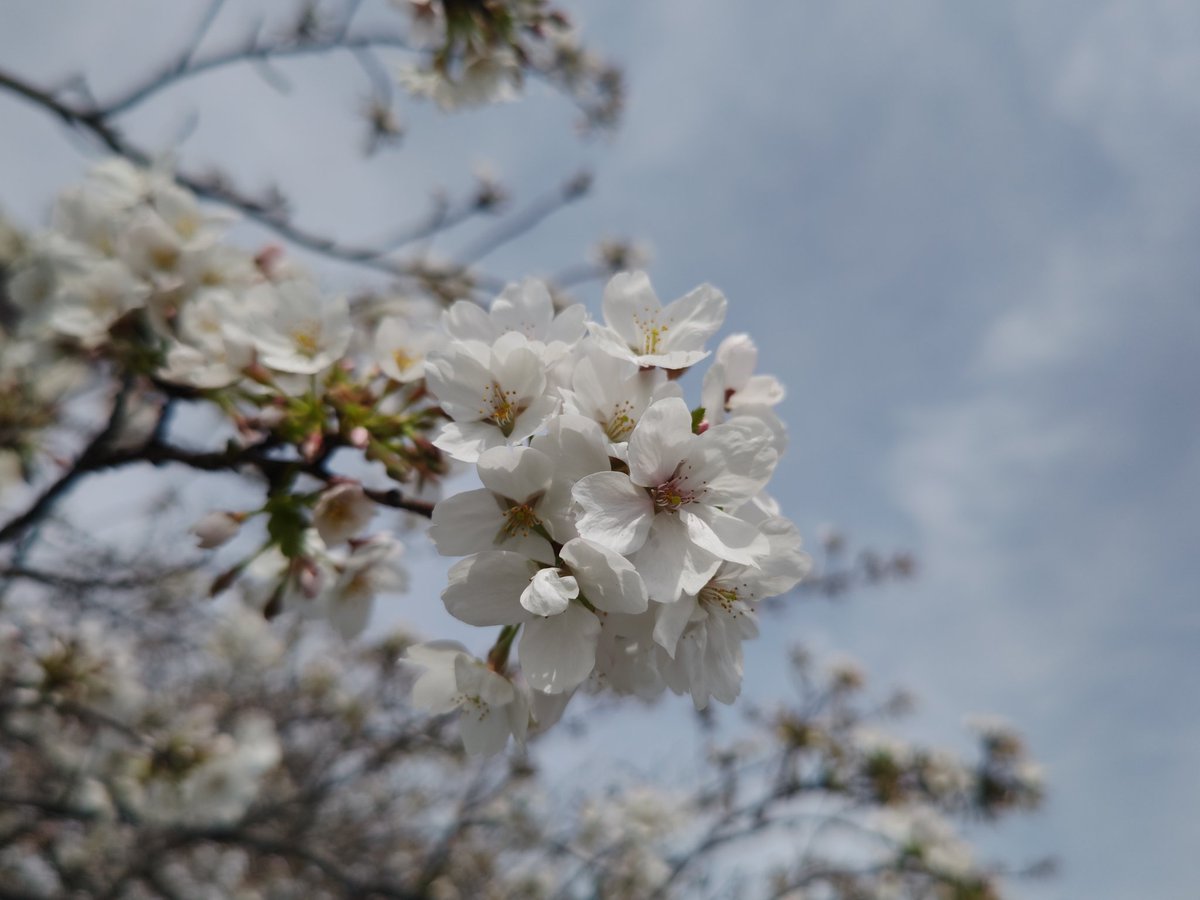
518,224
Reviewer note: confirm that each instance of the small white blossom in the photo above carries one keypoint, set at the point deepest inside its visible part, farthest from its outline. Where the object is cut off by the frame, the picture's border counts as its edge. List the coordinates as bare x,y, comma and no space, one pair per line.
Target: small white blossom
216,528
492,707
496,395
672,510
293,328
342,511
527,309
638,327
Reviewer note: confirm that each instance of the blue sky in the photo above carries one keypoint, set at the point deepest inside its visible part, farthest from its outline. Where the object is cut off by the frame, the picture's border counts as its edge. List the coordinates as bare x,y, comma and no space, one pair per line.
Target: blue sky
963,234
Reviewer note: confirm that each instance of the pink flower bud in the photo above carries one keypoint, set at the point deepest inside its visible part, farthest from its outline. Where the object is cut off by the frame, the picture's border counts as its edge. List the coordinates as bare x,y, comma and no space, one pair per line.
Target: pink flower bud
312,446
216,528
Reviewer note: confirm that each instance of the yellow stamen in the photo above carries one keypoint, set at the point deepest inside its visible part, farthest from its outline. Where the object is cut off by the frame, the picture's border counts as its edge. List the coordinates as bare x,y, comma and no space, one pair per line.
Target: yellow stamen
520,520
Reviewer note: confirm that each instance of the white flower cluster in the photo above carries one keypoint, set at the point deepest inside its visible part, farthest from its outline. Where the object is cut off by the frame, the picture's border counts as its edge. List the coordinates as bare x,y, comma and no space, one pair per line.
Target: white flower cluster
335,583
135,272
621,536
624,536
131,248
478,54
147,759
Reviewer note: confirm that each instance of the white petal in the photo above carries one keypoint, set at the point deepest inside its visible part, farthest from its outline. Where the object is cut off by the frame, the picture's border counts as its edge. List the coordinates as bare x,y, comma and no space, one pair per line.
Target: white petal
760,390
694,318
460,378
616,512
549,593
349,612
468,321
608,580
516,473
724,535
672,359
738,355
525,308
670,621
739,458
466,523
608,340
670,563
436,687
626,296
659,441
534,417
520,712
576,446
558,653
485,589
484,730
465,441
712,394
569,326
547,709
517,366
491,687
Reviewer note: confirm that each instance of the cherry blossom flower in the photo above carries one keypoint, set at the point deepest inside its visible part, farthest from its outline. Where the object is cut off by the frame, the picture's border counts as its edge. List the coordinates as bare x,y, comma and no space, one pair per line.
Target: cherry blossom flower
638,327
293,328
492,707
525,308
671,510
342,511
615,392
507,514
496,395
400,348
557,605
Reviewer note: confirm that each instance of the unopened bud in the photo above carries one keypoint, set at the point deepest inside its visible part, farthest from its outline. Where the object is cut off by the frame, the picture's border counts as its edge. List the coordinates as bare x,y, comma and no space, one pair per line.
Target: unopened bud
312,446
216,528
268,259
309,578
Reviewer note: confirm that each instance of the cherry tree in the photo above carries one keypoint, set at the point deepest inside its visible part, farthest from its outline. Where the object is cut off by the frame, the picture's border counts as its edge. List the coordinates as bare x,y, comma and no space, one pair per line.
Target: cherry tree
205,712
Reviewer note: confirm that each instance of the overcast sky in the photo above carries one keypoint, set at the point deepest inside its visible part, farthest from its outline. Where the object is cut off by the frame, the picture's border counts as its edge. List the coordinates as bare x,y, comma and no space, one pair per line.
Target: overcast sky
966,237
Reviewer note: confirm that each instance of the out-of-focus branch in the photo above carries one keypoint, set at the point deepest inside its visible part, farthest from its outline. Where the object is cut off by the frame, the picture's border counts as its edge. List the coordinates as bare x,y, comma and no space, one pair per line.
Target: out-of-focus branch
250,53
90,459
298,853
524,221
97,457
267,210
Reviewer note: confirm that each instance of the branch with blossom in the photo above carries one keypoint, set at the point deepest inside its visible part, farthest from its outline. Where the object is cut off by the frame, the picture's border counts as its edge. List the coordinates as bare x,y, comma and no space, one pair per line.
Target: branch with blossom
619,543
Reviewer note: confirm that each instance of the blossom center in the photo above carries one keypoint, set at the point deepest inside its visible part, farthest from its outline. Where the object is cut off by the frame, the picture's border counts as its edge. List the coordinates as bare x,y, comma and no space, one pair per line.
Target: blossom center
164,257
670,495
403,360
306,337
519,520
620,424
724,597
652,332
503,406
473,705
679,490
